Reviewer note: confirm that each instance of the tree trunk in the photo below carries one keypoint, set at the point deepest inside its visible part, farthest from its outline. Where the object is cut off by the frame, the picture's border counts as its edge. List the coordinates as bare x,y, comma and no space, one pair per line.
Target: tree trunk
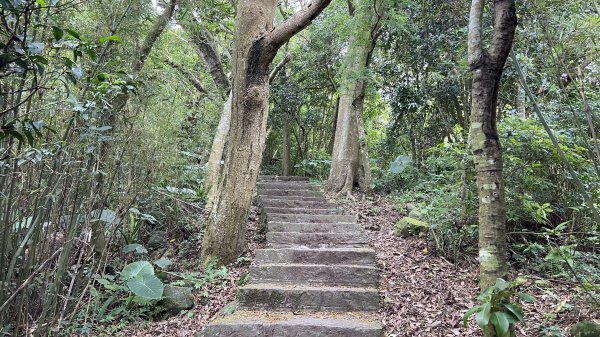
349,164
255,46
213,169
487,67
286,161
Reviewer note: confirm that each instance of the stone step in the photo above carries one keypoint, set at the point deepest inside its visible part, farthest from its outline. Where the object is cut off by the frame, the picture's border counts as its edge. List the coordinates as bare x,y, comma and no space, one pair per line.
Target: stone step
287,192
296,198
285,186
316,240
315,274
327,256
296,204
307,210
301,297
282,178
311,218
245,323
306,227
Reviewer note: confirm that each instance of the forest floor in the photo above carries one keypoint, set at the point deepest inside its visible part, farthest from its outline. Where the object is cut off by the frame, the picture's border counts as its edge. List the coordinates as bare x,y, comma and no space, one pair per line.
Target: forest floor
423,295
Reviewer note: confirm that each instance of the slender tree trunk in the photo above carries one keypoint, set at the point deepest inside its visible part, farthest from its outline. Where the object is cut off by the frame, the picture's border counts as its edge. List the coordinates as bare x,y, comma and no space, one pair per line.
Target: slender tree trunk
255,46
487,67
215,158
349,165
286,161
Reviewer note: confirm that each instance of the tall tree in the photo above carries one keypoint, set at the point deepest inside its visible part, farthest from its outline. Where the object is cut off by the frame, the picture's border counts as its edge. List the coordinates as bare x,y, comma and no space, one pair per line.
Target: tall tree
206,45
487,66
256,44
350,162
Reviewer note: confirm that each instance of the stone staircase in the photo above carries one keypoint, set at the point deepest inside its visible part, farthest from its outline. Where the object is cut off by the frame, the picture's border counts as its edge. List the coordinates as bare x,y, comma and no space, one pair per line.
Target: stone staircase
316,278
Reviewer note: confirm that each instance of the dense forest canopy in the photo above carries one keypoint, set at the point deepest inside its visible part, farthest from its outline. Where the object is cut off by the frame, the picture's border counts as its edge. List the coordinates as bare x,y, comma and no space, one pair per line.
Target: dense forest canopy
133,133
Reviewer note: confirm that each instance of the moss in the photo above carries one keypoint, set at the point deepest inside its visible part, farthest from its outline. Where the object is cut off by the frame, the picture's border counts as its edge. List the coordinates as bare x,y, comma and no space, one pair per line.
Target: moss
585,329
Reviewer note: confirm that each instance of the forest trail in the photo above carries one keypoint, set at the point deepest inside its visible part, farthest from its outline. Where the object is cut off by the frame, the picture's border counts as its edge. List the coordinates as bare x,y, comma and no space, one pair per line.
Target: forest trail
317,276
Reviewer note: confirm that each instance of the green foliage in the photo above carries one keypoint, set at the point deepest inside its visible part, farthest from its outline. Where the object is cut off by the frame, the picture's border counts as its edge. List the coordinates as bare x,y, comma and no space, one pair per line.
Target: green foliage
498,307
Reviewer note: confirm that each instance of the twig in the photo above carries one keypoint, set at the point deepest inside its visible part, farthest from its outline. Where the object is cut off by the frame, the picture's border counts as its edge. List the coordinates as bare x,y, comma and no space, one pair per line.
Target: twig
29,279
177,199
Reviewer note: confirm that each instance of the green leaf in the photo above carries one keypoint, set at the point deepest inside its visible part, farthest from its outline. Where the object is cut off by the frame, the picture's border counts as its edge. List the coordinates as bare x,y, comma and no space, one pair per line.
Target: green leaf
73,33
515,311
500,322
137,269
483,317
115,38
163,262
526,297
501,284
58,33
147,286
40,2
470,312
135,247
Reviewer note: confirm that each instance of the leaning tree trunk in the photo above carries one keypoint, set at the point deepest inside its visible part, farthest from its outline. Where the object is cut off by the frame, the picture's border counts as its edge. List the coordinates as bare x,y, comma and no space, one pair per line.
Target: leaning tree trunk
487,67
255,46
213,168
349,164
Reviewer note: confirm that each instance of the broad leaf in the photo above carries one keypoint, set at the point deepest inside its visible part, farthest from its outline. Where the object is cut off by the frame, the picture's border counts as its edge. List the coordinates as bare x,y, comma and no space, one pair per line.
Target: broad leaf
526,297
147,286
135,247
470,312
137,269
500,323
163,262
516,312
483,317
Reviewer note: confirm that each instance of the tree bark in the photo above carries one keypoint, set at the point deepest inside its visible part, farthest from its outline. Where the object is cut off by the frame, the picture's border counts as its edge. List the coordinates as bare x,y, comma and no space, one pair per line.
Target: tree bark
255,46
350,165
487,67
213,169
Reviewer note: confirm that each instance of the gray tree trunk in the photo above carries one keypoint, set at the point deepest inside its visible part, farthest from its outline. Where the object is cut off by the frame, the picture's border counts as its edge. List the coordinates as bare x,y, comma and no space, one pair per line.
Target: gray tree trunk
349,164
487,67
255,46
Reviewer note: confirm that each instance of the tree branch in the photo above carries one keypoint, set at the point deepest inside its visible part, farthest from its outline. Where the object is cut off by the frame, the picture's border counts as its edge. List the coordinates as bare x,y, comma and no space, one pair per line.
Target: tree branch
279,66
157,29
195,82
505,24
295,23
475,45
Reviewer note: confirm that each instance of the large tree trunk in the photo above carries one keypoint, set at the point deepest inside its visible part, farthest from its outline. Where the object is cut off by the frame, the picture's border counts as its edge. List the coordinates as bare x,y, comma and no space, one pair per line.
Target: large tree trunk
350,165
255,46
487,67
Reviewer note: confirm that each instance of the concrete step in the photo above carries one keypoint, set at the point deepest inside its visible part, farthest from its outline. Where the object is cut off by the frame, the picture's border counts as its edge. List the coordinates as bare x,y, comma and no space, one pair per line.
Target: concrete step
315,274
282,203
285,186
301,297
306,227
307,210
282,178
317,240
296,198
245,323
327,256
287,192
312,218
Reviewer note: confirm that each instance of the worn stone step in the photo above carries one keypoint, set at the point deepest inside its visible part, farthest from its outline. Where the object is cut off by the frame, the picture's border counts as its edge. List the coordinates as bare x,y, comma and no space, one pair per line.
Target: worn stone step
282,178
285,186
313,227
286,192
328,256
245,323
311,218
282,203
302,210
298,198
316,240
330,275
301,297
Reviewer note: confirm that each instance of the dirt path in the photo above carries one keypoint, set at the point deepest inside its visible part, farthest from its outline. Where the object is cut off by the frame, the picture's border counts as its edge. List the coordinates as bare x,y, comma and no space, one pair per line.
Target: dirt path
425,295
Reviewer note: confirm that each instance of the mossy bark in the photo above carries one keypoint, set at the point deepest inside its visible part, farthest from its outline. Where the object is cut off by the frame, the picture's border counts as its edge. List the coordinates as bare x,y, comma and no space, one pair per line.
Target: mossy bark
255,46
350,162
487,67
